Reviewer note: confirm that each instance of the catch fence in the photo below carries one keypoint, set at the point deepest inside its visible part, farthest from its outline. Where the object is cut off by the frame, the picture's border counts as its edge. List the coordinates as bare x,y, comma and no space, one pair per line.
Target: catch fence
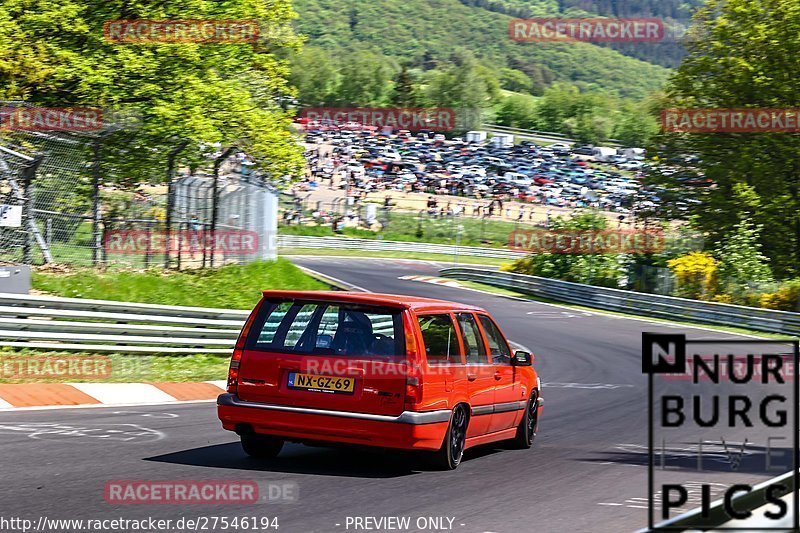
109,197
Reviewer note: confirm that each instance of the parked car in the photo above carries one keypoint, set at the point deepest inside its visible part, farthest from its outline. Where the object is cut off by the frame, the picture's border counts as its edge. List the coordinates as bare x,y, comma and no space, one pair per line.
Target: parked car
583,150
632,165
604,153
379,370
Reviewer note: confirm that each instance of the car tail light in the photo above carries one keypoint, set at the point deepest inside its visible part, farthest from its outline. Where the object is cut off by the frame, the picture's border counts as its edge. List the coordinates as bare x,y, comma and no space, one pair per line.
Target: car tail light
413,385
238,352
414,374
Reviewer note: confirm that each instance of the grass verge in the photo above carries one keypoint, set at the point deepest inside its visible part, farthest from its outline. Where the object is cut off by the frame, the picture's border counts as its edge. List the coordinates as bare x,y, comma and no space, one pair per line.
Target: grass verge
34,366
407,227
231,286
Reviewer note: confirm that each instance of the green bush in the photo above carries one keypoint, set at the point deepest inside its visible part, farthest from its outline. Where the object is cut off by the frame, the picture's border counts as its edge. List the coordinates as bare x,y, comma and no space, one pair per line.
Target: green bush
784,299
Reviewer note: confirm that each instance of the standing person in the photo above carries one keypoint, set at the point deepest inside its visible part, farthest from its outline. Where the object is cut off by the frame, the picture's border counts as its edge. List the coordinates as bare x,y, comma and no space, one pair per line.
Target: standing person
521,215
195,227
432,205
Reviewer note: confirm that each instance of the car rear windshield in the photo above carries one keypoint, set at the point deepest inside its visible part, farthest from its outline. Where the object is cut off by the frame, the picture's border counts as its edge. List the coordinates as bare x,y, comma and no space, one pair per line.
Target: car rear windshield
328,328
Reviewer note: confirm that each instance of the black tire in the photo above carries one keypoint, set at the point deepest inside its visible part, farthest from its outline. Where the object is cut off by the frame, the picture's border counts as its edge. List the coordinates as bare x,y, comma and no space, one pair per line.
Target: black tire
449,455
261,446
526,431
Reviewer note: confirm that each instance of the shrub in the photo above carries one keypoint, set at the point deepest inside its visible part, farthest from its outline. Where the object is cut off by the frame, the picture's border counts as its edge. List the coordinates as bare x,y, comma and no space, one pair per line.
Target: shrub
722,298
784,299
696,275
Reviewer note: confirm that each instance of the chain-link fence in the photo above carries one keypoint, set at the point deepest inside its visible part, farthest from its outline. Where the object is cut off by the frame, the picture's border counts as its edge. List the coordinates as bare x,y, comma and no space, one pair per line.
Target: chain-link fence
65,198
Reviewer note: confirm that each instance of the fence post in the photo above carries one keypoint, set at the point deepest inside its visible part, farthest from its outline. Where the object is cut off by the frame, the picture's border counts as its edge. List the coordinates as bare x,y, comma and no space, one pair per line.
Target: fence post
28,173
97,237
180,244
171,199
215,198
148,249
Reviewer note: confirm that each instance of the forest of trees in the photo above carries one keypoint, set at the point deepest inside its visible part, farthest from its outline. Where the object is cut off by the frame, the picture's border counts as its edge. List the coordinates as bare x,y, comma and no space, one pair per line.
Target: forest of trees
675,14
507,96
357,59
423,34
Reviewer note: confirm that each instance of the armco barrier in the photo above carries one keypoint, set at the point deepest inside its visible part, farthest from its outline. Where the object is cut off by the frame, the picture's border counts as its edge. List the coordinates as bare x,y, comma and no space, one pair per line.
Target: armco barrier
72,324
650,305
44,322
541,135
343,243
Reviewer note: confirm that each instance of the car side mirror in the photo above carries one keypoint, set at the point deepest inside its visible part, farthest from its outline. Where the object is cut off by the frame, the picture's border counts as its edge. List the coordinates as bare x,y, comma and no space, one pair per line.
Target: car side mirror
521,358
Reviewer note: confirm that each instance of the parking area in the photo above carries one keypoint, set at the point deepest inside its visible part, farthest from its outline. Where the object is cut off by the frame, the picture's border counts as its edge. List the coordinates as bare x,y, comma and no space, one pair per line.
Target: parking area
475,175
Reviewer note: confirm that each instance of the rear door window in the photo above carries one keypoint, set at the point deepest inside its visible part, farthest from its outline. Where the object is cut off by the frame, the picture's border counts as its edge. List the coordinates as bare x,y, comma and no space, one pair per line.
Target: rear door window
473,342
439,336
328,328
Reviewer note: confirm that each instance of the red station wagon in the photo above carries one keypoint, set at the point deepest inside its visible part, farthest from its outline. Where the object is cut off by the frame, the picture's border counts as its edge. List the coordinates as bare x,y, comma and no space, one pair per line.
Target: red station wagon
378,370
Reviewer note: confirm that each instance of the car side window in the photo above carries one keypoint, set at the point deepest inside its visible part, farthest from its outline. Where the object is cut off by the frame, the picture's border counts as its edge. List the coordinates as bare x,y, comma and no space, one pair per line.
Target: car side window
473,342
439,336
498,347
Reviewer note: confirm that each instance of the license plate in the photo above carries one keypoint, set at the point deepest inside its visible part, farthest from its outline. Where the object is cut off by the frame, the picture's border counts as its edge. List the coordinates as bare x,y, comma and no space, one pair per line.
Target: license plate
329,384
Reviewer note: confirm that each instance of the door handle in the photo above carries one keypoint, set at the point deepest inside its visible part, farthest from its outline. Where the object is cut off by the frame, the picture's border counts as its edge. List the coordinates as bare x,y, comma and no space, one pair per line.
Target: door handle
471,377
498,376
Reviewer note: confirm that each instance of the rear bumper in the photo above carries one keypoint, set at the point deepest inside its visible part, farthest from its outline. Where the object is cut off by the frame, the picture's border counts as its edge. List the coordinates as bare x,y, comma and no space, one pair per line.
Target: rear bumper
409,430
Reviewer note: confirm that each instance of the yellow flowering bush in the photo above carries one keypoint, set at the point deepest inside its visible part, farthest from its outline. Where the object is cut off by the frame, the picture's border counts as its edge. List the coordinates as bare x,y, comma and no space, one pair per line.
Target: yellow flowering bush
696,275
784,299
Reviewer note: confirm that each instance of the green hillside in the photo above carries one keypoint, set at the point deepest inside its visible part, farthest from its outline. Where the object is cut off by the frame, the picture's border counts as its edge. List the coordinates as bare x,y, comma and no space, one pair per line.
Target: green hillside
676,15
426,33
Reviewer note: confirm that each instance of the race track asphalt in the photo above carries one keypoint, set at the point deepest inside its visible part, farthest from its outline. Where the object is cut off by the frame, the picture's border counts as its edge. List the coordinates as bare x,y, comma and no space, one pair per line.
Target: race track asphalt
586,472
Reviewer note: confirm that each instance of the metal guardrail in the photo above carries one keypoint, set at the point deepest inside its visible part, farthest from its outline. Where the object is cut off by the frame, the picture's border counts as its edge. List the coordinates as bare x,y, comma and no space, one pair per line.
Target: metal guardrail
68,324
650,305
345,243
54,323
547,135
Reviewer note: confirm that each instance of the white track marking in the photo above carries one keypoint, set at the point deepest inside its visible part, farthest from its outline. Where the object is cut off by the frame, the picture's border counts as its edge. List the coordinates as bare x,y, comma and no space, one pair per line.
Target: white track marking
592,386
121,393
100,406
